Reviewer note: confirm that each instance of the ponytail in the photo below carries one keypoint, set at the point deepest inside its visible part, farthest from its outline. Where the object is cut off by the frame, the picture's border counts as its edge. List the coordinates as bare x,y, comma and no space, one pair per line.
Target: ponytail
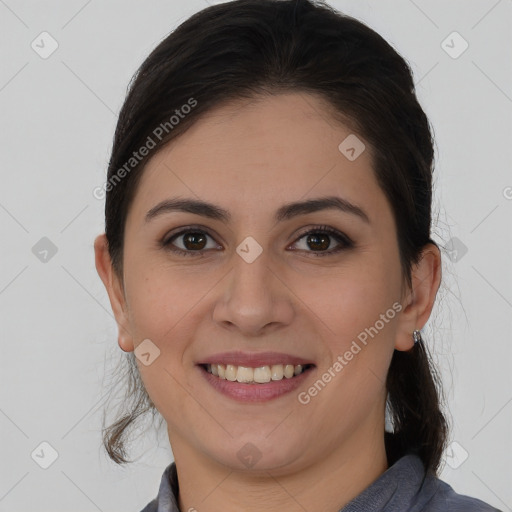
419,426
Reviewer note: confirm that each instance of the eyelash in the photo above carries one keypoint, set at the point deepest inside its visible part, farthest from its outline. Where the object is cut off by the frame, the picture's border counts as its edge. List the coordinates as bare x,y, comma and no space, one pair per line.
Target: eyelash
344,240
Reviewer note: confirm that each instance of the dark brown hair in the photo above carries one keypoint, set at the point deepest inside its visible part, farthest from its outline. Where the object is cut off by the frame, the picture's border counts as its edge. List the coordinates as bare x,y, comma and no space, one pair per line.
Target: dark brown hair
249,48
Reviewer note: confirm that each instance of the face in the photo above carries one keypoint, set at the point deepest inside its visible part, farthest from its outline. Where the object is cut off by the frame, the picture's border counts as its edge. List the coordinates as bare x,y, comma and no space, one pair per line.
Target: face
318,284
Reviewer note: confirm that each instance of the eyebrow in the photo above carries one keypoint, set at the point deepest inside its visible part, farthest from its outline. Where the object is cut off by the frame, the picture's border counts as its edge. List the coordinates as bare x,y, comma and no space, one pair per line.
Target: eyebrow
285,212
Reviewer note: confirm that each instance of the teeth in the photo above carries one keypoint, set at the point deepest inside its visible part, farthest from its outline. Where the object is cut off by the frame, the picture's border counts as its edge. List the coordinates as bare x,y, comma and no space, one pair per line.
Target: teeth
258,375
277,371
262,374
244,374
289,371
231,372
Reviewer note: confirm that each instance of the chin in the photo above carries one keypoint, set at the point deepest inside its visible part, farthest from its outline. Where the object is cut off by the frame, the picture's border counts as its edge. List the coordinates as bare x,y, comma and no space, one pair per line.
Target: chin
253,454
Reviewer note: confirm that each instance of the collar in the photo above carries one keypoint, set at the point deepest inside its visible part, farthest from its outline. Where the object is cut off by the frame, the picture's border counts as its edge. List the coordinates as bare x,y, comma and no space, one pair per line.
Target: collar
403,486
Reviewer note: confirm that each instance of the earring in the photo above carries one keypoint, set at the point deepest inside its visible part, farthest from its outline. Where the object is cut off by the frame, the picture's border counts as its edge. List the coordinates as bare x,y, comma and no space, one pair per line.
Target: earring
416,336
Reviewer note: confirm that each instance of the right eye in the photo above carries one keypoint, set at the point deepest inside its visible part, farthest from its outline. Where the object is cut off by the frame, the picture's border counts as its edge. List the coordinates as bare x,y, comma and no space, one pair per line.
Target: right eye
193,242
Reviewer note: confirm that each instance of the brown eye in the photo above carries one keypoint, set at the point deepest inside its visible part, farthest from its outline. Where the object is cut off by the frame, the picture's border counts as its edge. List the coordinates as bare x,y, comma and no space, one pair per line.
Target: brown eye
194,241
319,241
189,242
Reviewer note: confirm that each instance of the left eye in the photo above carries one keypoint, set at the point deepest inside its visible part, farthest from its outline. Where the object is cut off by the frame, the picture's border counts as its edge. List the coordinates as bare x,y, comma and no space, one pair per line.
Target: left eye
195,241
320,240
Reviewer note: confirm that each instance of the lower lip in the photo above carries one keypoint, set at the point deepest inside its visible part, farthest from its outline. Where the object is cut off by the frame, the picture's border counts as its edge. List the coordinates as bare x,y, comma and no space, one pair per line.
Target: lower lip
255,392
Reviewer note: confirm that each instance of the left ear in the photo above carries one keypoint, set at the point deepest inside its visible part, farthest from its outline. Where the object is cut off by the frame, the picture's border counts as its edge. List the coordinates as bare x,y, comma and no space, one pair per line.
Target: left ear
426,278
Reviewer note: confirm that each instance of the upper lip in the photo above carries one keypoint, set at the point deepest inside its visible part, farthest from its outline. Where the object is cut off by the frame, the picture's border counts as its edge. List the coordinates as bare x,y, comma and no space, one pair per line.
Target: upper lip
254,359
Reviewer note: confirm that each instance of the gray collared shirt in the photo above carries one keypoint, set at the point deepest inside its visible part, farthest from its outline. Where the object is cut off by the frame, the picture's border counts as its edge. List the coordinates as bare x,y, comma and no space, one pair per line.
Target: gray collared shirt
402,487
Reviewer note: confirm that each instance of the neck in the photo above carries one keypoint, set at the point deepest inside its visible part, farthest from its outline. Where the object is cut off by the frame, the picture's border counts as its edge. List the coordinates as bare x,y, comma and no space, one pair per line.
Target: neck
327,484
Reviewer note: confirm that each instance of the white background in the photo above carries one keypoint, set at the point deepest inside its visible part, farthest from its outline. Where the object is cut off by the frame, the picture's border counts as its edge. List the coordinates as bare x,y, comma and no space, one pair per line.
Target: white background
58,337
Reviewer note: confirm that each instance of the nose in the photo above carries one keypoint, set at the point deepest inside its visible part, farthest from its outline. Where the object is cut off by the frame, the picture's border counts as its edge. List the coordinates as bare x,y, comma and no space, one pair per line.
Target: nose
255,298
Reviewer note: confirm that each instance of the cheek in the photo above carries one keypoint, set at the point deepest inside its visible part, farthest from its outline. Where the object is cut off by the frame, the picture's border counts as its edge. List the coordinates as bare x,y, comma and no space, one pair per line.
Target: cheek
162,298
162,304
350,300
355,314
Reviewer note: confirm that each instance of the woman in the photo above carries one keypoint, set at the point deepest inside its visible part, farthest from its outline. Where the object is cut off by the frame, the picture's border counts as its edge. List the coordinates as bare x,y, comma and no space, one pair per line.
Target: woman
268,259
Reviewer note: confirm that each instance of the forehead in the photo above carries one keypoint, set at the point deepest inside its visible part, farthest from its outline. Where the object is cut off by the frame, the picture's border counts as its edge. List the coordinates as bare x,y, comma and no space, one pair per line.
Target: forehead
250,154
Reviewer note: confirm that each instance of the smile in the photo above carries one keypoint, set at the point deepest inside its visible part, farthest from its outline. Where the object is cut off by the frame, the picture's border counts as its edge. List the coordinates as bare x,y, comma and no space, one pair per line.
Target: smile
258,375
246,384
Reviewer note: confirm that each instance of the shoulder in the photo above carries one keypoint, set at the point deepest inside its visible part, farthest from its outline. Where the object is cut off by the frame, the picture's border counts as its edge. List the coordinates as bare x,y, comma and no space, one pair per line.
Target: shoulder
167,497
442,498
151,507
410,488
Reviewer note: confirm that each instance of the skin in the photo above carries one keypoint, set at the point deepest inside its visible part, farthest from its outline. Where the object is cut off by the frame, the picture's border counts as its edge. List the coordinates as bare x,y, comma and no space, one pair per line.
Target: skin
284,148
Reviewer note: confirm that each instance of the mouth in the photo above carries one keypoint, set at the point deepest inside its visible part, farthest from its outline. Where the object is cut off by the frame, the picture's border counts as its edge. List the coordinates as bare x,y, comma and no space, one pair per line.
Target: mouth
255,375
